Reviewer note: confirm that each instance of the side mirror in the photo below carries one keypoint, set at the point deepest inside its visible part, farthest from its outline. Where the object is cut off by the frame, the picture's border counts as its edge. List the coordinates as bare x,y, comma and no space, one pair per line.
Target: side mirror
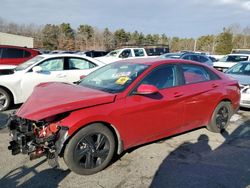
146,89
37,69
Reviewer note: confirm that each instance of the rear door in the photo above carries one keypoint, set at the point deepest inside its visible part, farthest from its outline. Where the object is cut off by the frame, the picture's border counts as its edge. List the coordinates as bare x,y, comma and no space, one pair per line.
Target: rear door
201,88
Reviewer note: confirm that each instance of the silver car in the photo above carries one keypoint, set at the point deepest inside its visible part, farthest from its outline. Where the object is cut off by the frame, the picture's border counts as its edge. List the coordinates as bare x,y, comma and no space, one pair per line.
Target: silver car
241,72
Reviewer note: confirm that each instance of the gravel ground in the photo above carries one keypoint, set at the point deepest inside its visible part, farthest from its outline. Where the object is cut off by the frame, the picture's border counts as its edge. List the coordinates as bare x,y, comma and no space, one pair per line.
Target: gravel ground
195,159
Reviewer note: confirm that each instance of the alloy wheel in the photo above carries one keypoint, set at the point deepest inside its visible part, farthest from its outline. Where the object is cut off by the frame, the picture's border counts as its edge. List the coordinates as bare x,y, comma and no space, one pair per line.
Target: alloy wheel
222,117
3,101
92,150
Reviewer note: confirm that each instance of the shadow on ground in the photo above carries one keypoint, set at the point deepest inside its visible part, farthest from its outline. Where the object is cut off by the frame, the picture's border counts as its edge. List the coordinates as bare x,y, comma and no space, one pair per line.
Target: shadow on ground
196,165
31,178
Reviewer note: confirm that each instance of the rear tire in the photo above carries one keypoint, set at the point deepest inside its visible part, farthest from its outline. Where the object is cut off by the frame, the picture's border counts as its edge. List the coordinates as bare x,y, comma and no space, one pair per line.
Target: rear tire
90,150
221,117
5,100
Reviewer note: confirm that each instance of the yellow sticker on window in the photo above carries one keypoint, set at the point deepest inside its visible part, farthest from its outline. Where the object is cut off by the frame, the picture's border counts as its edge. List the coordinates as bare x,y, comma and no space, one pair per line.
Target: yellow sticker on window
122,80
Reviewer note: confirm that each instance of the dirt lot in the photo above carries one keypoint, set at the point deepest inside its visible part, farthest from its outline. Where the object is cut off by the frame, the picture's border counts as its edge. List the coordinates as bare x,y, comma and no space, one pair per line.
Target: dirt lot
195,159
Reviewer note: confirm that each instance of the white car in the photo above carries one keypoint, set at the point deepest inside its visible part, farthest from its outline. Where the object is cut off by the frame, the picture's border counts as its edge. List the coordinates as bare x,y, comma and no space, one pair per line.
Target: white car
17,84
241,72
230,60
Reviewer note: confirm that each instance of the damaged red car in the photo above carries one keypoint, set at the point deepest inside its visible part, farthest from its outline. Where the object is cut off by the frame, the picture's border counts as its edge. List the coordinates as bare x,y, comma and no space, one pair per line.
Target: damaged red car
119,106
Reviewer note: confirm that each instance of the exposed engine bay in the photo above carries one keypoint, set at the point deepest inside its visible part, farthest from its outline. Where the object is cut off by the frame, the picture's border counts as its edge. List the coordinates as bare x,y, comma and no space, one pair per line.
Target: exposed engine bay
37,139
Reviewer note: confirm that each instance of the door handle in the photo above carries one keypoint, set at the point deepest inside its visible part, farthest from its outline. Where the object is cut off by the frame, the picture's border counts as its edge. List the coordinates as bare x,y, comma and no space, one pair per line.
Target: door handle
178,94
214,85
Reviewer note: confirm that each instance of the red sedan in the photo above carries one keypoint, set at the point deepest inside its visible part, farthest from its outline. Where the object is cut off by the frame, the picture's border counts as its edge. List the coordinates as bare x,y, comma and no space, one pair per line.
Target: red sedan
119,106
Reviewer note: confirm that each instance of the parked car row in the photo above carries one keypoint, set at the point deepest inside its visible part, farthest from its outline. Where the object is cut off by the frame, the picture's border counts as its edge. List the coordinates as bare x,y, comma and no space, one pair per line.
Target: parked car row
116,106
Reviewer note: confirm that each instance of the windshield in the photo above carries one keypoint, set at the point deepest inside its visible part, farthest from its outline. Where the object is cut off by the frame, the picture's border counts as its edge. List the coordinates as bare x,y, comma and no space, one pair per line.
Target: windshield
234,58
113,78
28,63
113,53
240,68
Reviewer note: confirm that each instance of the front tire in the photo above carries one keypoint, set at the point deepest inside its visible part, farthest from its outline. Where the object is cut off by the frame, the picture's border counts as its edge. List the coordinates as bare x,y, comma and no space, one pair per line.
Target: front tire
221,117
90,150
5,100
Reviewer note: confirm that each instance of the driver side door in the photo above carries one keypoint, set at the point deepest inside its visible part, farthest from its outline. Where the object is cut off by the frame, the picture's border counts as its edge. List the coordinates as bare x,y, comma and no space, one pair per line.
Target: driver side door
52,71
153,116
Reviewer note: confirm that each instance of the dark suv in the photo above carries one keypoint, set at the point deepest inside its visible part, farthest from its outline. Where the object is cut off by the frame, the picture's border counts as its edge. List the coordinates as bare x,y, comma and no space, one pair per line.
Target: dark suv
189,56
13,55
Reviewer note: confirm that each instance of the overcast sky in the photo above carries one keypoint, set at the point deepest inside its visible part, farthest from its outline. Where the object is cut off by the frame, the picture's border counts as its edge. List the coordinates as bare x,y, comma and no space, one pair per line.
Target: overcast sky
186,18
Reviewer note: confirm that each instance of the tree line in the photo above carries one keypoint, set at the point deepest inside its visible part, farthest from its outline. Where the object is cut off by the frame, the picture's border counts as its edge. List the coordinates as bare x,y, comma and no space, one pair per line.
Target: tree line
87,37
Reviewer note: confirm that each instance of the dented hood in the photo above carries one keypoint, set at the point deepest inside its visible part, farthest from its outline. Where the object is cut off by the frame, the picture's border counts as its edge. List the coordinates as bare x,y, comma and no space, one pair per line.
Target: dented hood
49,99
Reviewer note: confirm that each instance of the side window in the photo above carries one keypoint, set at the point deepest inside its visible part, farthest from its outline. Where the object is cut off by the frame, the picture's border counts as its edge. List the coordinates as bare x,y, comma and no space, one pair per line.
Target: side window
80,64
27,54
187,57
194,74
163,77
194,58
12,53
126,53
52,65
203,59
139,52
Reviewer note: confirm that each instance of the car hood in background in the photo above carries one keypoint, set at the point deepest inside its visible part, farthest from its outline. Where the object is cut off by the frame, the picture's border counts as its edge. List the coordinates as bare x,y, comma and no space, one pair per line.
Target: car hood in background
106,59
7,69
242,79
2,67
49,99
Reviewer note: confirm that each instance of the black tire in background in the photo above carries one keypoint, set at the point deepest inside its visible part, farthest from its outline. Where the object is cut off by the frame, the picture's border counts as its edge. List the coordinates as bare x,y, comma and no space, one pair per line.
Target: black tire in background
90,150
5,100
221,117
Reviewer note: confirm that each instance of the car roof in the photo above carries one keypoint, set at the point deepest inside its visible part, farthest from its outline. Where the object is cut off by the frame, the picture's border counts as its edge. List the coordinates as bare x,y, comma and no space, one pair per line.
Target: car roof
64,55
157,61
72,55
19,47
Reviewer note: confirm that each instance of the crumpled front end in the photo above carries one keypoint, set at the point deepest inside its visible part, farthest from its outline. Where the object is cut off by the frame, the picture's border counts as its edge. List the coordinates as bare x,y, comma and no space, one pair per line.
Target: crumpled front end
37,138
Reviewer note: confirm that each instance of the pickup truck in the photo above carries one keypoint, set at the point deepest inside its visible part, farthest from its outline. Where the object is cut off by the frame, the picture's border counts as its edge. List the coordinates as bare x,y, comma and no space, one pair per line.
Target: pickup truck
123,53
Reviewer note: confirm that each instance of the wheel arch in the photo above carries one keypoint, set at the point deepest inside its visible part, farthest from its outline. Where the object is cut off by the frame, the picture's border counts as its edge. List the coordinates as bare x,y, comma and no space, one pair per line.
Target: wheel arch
118,141
215,105
9,92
